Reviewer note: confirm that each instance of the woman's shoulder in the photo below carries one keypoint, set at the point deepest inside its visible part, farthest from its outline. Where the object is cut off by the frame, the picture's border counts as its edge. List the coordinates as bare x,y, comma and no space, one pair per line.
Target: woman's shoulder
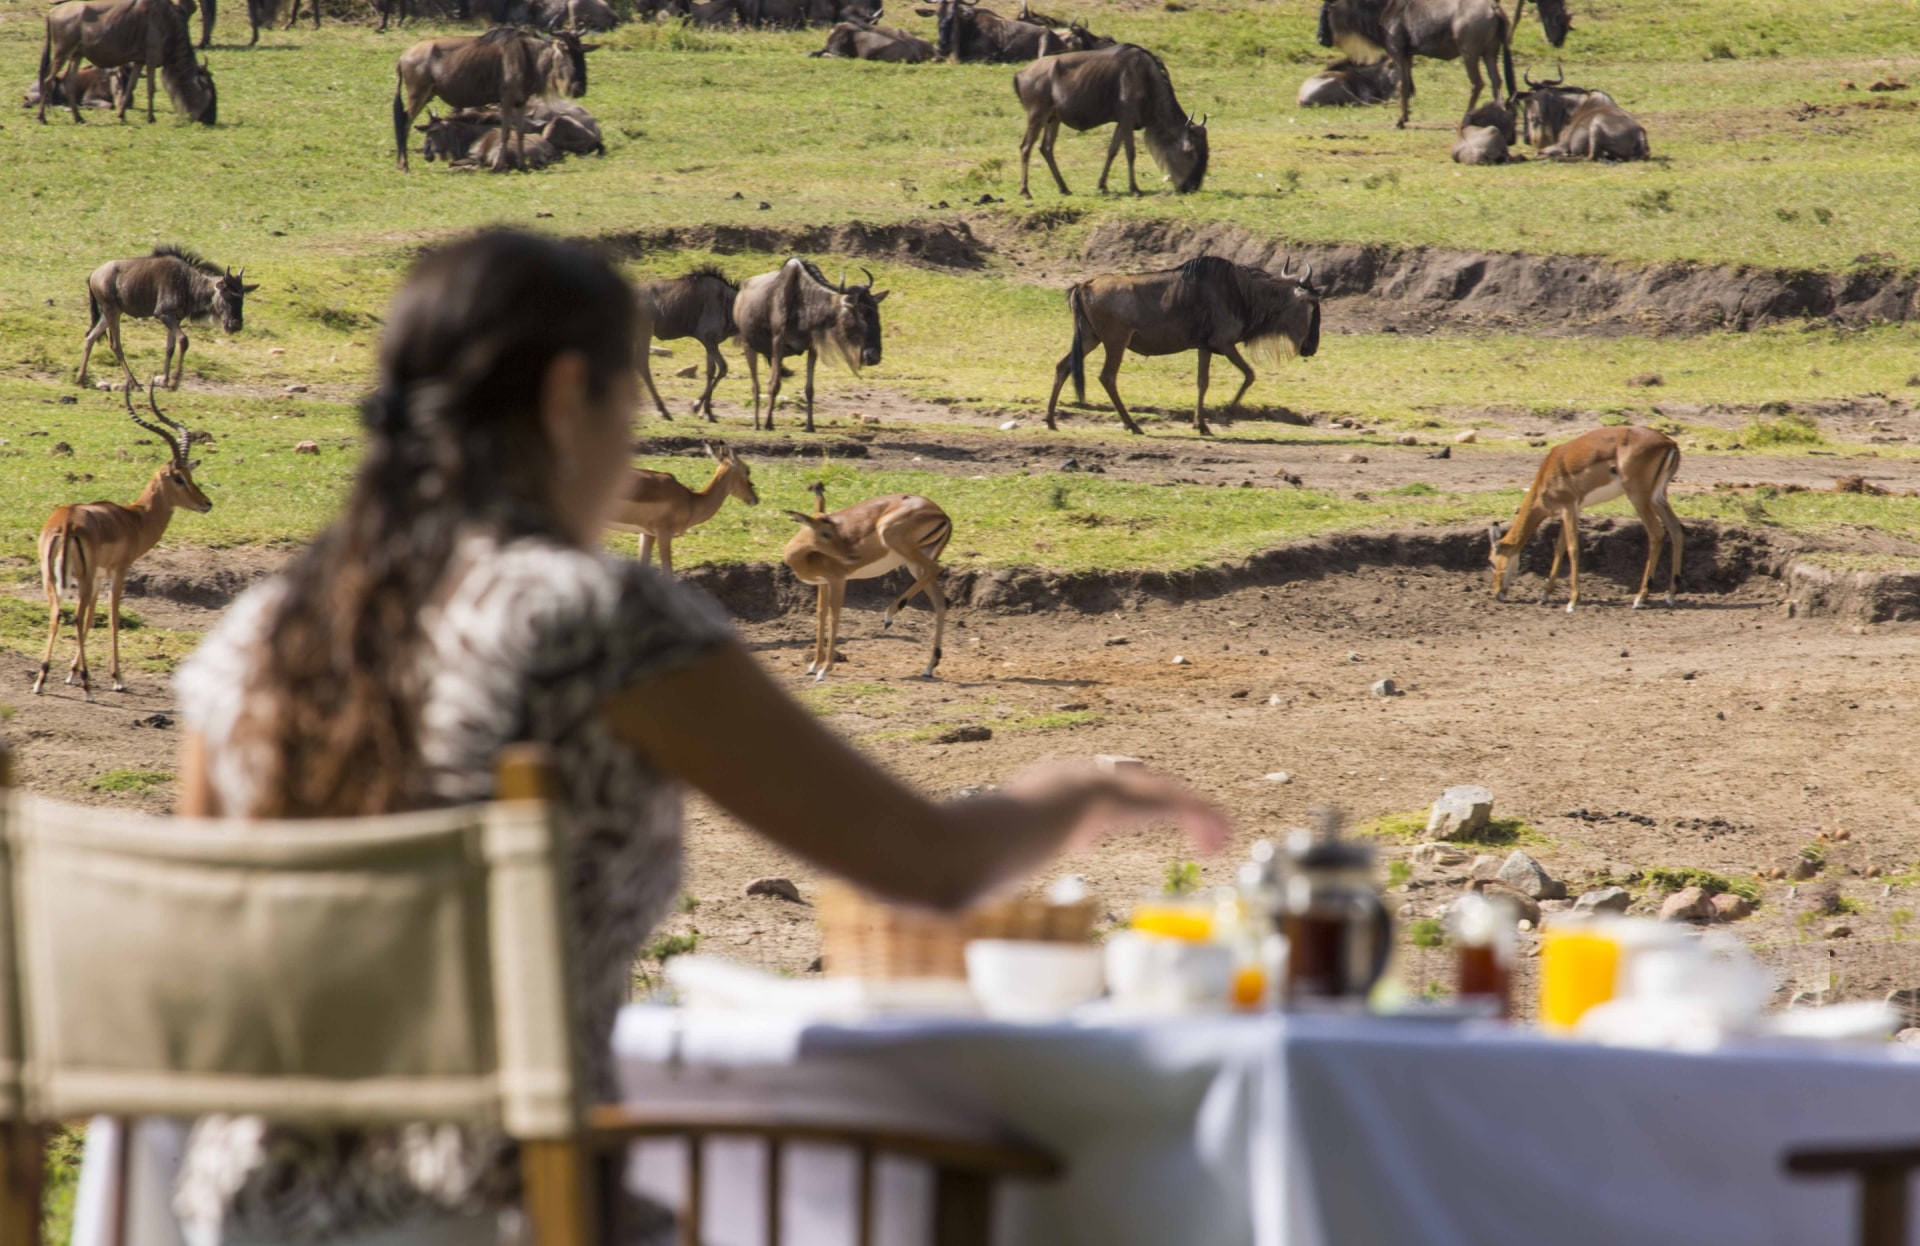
219,667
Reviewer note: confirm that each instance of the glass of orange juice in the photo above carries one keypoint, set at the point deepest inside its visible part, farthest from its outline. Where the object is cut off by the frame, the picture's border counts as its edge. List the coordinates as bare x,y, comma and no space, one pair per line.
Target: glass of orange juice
1578,969
1174,917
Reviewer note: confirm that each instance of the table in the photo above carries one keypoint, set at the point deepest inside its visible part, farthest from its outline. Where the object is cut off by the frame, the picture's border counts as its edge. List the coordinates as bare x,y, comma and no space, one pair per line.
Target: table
1265,1131
1318,1131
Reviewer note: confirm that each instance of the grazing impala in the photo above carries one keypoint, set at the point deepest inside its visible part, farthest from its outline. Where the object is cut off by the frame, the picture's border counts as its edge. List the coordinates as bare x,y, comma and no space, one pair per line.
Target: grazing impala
660,508
861,542
1593,468
86,542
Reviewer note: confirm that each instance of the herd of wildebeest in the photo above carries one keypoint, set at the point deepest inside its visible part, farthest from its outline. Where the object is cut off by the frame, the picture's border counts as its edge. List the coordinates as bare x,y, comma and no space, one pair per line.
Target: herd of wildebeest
513,94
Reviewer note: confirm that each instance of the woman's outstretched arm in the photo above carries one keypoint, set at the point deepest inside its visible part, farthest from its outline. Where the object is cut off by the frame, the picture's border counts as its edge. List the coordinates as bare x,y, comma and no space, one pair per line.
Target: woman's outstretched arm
723,726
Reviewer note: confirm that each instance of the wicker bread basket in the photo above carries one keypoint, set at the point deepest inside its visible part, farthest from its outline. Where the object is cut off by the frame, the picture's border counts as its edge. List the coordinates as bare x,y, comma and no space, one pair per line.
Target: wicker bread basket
862,937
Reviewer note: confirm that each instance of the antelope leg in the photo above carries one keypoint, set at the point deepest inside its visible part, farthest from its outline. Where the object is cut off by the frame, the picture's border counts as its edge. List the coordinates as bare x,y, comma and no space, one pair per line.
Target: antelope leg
114,588
1572,522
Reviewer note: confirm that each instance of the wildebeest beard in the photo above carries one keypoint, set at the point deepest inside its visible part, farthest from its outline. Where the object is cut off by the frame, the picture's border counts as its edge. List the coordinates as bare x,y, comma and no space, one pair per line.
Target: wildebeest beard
1358,31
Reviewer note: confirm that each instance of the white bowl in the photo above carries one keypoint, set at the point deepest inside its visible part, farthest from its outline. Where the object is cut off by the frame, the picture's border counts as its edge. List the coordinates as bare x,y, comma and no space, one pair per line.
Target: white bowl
1021,980
1156,975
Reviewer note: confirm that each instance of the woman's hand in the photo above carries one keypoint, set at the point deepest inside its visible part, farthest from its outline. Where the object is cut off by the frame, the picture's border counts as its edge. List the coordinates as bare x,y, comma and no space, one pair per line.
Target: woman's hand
1069,806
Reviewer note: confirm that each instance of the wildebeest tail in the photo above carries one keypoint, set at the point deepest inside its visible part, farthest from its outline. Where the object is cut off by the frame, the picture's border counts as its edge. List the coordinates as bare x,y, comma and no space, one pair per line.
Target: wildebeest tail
46,60
1078,352
93,307
399,122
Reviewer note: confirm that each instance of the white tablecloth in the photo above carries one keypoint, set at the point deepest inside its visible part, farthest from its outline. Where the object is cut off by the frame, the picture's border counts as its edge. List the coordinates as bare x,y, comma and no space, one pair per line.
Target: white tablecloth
1269,1131
1324,1132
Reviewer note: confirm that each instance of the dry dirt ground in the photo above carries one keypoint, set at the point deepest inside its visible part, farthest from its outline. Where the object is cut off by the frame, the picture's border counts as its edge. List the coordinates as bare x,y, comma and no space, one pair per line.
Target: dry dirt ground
1724,735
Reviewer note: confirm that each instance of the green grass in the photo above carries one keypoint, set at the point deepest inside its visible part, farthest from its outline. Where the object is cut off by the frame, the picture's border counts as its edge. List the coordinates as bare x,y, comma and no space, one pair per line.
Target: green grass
132,782
63,1179
1411,826
1666,880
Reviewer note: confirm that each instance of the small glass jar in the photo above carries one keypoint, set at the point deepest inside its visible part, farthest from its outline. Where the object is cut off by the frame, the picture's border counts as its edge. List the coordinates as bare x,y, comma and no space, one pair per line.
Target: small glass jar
1481,928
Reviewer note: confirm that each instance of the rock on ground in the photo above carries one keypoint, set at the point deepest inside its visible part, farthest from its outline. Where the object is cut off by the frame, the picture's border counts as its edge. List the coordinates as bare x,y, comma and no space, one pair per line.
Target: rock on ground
1605,900
1461,812
1438,856
1689,904
1728,907
1528,877
776,889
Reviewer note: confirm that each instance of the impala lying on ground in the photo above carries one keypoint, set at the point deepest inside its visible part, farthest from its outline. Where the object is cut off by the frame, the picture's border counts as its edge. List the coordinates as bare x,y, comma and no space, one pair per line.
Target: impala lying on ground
86,542
1593,468
660,508
862,542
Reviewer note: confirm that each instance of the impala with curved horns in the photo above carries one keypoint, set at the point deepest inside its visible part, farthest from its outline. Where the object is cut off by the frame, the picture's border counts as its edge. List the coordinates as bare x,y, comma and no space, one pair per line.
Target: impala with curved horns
84,543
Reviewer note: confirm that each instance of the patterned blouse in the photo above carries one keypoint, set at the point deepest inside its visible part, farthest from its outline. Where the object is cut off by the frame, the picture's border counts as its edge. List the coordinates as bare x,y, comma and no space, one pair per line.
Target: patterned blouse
526,643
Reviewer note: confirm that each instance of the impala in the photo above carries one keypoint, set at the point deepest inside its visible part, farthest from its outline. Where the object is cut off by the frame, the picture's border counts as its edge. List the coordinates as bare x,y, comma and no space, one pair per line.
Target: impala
86,542
660,508
1593,468
861,542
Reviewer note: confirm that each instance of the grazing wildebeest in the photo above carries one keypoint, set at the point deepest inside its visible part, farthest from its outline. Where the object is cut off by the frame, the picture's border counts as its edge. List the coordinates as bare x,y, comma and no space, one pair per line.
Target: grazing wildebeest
1347,84
1593,468
1575,123
797,309
145,34
970,33
262,12
859,41
1123,86
1475,32
87,542
1207,304
173,286
1554,19
504,67
97,88
698,305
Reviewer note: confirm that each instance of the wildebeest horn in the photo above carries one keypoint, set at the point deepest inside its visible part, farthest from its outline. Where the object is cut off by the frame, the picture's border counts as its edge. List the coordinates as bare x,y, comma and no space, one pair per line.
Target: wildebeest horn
843,279
869,284
1203,119
1306,278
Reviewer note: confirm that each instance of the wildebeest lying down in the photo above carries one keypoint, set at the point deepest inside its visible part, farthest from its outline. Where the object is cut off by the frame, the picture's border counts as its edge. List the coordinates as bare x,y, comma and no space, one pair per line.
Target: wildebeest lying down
503,67
171,285
1124,86
1575,123
859,41
1207,304
796,309
142,34
1486,136
967,32
563,125
97,88
698,305
1346,84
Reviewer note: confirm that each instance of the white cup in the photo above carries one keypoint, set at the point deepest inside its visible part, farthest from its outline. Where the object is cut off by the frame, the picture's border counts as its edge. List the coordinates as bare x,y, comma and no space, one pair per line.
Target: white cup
1022,980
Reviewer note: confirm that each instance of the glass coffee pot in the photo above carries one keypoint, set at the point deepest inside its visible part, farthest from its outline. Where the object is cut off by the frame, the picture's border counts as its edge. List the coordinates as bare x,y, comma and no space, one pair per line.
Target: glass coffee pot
1339,933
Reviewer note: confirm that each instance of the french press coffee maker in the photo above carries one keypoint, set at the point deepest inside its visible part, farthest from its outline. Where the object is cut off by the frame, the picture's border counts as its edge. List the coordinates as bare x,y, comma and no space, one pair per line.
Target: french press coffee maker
1339,933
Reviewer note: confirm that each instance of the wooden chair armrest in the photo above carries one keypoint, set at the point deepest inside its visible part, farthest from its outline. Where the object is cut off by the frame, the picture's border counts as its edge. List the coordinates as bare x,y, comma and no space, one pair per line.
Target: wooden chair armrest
612,1125
1816,1161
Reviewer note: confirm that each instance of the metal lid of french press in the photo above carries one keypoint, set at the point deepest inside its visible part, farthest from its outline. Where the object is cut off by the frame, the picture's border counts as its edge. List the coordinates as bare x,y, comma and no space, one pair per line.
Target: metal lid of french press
1322,848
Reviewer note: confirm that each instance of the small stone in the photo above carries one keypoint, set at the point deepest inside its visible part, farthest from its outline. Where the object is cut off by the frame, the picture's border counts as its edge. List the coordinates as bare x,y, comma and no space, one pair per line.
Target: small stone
1819,898
775,889
972,733
1115,640
1385,688
1728,907
1485,866
1071,465
1804,868
1839,930
1444,452
1437,856
1352,458
294,389
1461,812
816,965
1524,907
1605,900
689,372
1240,694
1273,698
1279,776
765,206
1181,659
1069,707
1117,761
160,721
1407,439
61,450
307,447
1466,438
1646,380
1008,426
1689,904
278,350
1872,871
1528,877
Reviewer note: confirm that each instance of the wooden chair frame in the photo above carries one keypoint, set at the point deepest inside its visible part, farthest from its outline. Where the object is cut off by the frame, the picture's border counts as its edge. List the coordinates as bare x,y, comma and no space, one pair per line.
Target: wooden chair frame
1885,1174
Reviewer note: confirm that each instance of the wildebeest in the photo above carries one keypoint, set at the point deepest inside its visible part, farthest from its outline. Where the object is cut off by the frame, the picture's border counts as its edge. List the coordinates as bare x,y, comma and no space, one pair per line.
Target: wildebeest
1554,19
1207,304
797,309
1124,86
1593,468
859,41
698,305
1348,84
145,34
504,67
1487,136
171,285
85,543
97,88
967,32
498,152
1476,32
1575,123
548,15
564,125
262,13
